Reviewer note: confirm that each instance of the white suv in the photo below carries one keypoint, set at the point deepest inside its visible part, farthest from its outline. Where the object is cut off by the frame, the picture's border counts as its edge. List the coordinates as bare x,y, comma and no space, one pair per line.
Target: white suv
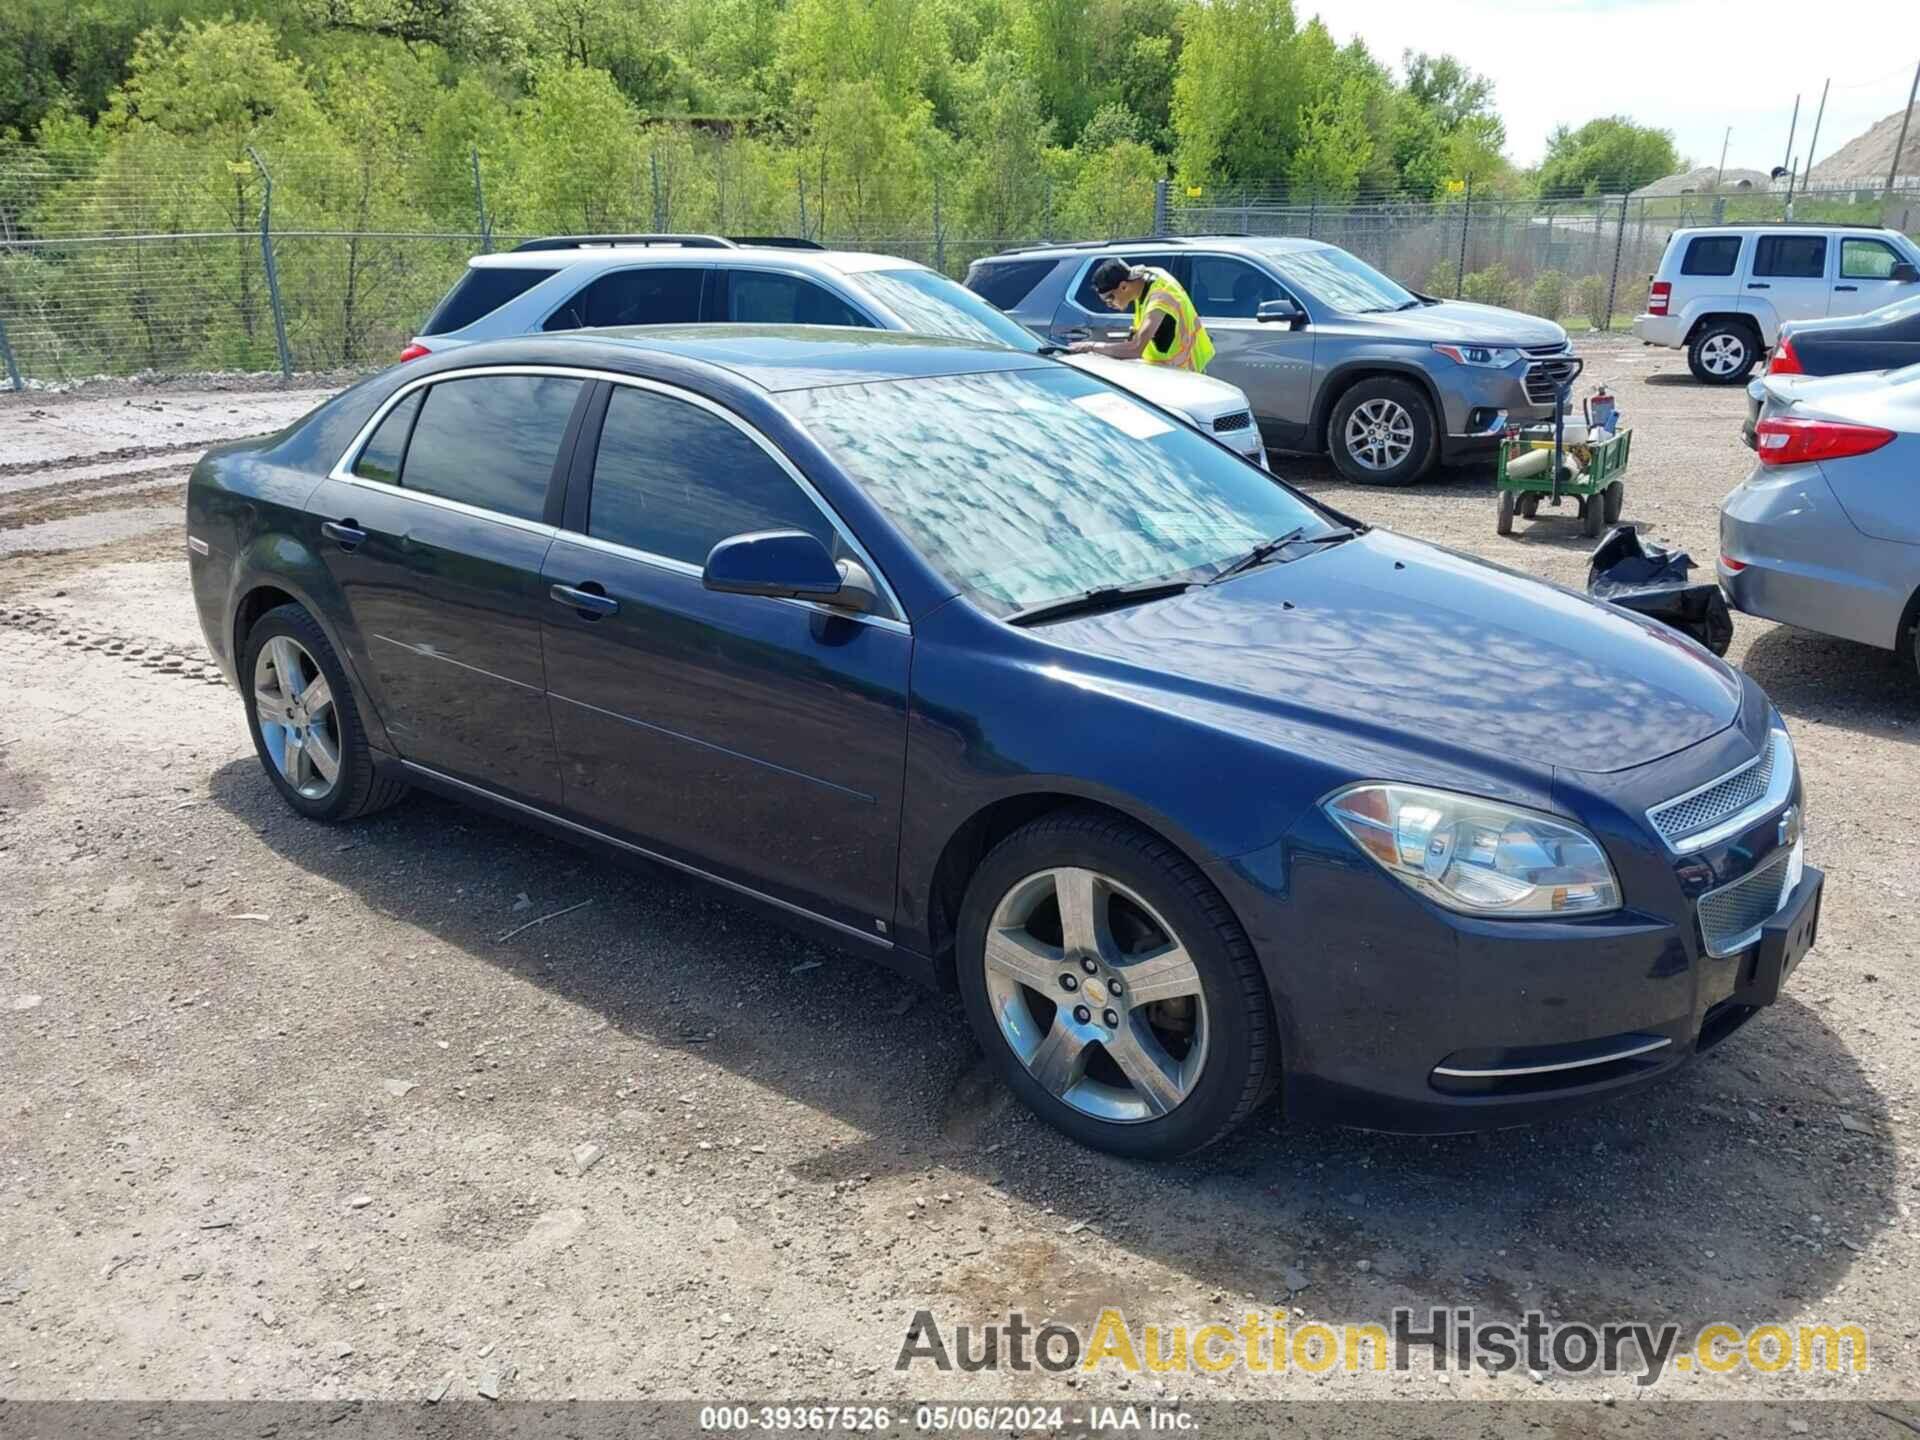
1722,292
575,281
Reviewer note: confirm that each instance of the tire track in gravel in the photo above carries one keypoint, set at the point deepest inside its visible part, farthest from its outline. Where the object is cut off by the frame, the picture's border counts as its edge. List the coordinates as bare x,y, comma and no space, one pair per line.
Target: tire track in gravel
185,662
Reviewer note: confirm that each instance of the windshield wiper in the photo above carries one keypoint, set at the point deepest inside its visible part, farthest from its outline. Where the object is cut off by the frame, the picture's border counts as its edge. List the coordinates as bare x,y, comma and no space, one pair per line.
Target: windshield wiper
1100,597
1268,549
1414,304
1051,349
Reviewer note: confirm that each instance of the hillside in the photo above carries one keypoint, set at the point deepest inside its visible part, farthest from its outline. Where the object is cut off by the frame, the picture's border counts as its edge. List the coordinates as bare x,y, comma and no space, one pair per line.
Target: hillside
1866,157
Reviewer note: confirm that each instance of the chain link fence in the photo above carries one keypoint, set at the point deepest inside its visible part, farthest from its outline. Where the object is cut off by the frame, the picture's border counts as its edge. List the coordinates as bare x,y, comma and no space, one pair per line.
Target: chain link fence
172,264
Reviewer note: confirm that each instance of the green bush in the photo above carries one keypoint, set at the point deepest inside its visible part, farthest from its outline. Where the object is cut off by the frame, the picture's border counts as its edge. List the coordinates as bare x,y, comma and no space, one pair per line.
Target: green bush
1440,278
1590,299
1547,296
1495,285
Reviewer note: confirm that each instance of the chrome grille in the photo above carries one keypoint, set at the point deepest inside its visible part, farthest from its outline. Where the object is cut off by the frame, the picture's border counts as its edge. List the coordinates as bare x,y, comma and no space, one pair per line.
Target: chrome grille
1238,420
1731,917
1550,368
1691,814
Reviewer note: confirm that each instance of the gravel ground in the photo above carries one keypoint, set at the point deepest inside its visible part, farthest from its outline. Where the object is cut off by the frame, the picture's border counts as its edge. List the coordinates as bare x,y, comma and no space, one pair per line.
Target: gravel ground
299,1112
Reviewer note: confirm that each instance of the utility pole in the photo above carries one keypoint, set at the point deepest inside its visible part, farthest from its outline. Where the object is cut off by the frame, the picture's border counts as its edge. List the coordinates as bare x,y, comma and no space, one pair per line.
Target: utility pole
1893,165
1818,116
1792,126
1718,174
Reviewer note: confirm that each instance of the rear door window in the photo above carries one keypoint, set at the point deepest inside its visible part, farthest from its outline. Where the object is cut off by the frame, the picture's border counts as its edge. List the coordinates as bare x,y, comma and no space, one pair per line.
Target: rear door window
767,297
1864,259
1006,283
480,292
491,440
644,295
673,479
380,459
1229,289
1791,257
1711,255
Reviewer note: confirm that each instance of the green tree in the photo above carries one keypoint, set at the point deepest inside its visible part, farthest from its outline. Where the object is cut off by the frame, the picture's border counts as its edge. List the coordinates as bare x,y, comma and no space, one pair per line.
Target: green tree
1237,94
1004,134
1054,40
1449,89
1336,144
897,45
572,157
1610,154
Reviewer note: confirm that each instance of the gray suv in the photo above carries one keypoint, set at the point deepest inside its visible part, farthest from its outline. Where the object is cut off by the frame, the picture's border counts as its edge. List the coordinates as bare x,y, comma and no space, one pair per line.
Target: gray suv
1335,356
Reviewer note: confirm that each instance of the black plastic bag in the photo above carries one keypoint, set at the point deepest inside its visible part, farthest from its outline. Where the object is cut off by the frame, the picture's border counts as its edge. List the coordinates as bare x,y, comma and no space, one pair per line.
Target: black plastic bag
1653,581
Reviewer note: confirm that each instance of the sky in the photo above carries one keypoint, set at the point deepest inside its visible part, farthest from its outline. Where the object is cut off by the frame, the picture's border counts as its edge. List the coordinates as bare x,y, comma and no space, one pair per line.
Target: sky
1688,66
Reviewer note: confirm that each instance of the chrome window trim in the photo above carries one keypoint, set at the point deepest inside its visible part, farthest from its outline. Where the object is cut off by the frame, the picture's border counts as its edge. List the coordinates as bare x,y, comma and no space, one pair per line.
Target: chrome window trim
734,885
1779,787
343,471
1503,1072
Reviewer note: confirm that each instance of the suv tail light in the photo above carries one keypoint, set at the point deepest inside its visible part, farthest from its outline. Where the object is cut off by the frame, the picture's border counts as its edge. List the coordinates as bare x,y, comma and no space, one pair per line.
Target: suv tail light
1784,361
1783,440
1659,295
413,352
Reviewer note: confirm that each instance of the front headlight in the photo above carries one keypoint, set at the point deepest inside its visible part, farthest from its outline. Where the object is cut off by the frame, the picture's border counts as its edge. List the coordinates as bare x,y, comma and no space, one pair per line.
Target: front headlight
1477,856
1489,357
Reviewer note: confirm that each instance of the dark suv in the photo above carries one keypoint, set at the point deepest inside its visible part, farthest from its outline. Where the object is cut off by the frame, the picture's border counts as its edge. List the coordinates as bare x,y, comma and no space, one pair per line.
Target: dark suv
1194,789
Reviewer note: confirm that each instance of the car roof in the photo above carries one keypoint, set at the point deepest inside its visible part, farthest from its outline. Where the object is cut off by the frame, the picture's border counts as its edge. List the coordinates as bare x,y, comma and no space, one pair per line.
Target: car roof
774,358
1246,244
1734,227
616,256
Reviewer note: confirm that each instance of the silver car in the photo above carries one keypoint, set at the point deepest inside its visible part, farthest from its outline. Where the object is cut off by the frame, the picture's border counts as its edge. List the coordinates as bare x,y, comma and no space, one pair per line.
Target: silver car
1824,533
571,282
1334,355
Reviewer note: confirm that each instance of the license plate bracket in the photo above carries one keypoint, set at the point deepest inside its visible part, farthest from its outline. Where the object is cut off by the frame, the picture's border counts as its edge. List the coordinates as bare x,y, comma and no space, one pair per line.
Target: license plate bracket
1784,941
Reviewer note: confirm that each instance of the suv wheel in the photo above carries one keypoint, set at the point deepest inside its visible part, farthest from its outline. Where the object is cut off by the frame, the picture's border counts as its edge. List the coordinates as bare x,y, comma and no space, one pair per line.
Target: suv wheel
1112,989
1723,353
1382,432
305,724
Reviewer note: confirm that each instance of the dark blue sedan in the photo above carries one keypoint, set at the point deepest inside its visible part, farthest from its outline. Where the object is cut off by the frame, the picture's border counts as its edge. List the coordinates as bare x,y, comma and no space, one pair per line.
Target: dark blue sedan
1194,789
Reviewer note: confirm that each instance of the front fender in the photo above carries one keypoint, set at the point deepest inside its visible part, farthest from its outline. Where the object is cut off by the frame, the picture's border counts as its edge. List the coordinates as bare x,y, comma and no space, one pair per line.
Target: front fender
1335,378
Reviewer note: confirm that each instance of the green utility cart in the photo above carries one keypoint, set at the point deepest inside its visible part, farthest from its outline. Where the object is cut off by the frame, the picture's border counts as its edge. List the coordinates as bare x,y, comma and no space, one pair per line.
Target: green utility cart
1586,472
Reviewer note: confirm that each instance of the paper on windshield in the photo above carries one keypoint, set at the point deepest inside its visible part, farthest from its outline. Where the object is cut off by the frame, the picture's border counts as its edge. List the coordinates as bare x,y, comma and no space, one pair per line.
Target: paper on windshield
1123,415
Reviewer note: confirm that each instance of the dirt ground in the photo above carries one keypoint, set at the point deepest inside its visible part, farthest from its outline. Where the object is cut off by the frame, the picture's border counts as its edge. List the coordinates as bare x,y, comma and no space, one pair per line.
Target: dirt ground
296,1112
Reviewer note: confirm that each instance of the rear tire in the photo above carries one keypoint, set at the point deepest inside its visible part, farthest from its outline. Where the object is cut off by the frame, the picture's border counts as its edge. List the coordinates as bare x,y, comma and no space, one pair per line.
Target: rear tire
1383,432
1616,494
1191,996
1593,512
302,731
1723,353
1504,524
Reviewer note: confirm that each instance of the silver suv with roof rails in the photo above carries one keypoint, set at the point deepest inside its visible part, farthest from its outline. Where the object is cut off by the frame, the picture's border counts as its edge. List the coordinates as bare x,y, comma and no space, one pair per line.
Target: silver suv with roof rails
1334,355
573,282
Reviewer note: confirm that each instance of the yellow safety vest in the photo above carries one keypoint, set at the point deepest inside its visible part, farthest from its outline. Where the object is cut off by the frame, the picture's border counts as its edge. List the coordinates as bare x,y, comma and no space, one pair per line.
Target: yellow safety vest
1192,347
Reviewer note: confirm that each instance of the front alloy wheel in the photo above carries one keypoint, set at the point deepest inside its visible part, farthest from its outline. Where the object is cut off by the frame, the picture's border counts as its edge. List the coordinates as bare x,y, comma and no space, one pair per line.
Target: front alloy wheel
1112,988
1379,435
1096,996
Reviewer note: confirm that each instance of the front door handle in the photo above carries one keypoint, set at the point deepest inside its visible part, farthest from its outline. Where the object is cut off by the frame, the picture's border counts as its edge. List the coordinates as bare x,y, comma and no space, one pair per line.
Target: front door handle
1846,287
588,599
343,533
1758,285
1078,332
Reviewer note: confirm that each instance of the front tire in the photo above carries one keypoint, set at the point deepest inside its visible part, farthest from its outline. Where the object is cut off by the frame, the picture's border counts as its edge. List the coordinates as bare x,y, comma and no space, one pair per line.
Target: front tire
306,727
1723,353
1383,432
1112,989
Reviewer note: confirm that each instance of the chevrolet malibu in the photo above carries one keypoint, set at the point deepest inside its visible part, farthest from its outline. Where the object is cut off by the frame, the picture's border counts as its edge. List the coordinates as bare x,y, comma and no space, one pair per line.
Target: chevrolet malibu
1194,790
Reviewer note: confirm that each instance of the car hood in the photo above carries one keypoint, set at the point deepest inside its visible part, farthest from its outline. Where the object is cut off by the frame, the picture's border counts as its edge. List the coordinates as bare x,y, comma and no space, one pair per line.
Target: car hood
1459,323
1166,387
1424,649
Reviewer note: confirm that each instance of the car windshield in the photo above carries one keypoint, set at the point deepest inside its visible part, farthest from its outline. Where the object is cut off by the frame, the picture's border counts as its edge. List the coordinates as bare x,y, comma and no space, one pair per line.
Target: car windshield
1027,486
1341,280
931,304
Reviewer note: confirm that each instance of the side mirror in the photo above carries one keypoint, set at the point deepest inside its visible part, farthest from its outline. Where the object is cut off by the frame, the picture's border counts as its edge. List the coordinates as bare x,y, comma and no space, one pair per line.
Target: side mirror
1904,272
787,564
1280,312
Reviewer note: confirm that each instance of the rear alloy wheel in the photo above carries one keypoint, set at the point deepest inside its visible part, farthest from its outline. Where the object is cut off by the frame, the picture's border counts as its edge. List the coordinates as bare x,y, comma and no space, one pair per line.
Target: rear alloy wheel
1382,432
1723,353
1111,988
305,724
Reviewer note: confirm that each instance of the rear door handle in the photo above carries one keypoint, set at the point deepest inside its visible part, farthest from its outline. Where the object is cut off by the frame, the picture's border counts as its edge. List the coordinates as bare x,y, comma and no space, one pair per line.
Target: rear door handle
589,599
1078,332
1846,287
1758,285
343,533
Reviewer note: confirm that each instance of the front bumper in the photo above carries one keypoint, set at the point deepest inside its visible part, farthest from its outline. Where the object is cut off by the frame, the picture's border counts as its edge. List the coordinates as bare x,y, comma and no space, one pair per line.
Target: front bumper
1479,405
1398,1015
1796,558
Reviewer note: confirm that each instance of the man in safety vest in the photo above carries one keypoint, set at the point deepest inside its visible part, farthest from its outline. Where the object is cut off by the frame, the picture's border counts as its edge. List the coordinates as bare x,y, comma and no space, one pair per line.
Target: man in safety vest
1166,326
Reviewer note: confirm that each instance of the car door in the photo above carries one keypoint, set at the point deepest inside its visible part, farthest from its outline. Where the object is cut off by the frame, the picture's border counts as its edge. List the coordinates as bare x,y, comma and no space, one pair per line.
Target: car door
1273,363
751,296
756,739
1789,273
635,295
435,532
1081,316
1864,279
